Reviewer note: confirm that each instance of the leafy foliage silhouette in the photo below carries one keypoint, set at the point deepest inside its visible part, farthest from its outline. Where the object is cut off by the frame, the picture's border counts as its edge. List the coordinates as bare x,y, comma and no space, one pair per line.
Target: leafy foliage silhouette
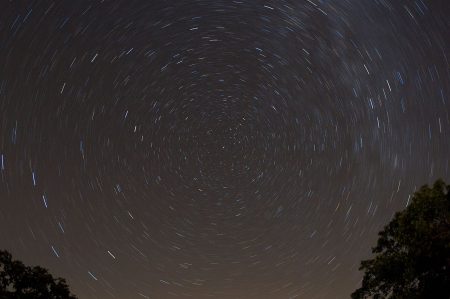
412,255
18,281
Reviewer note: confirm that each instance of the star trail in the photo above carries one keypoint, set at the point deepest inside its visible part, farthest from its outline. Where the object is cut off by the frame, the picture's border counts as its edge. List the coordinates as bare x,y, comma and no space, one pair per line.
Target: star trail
216,149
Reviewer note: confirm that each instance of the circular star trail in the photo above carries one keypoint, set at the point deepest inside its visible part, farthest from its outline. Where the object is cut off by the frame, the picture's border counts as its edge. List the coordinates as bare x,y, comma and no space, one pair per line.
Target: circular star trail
216,149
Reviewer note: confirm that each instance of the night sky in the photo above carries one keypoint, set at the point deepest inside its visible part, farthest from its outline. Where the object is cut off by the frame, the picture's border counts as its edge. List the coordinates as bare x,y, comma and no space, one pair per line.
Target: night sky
216,148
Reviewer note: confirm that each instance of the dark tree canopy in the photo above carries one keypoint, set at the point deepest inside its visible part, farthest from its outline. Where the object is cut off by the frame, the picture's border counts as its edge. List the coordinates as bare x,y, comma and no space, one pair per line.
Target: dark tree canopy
412,256
18,281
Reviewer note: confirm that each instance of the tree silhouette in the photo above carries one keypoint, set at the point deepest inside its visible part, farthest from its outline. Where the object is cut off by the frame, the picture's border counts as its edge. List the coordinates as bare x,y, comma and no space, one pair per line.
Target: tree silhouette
18,281
412,256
